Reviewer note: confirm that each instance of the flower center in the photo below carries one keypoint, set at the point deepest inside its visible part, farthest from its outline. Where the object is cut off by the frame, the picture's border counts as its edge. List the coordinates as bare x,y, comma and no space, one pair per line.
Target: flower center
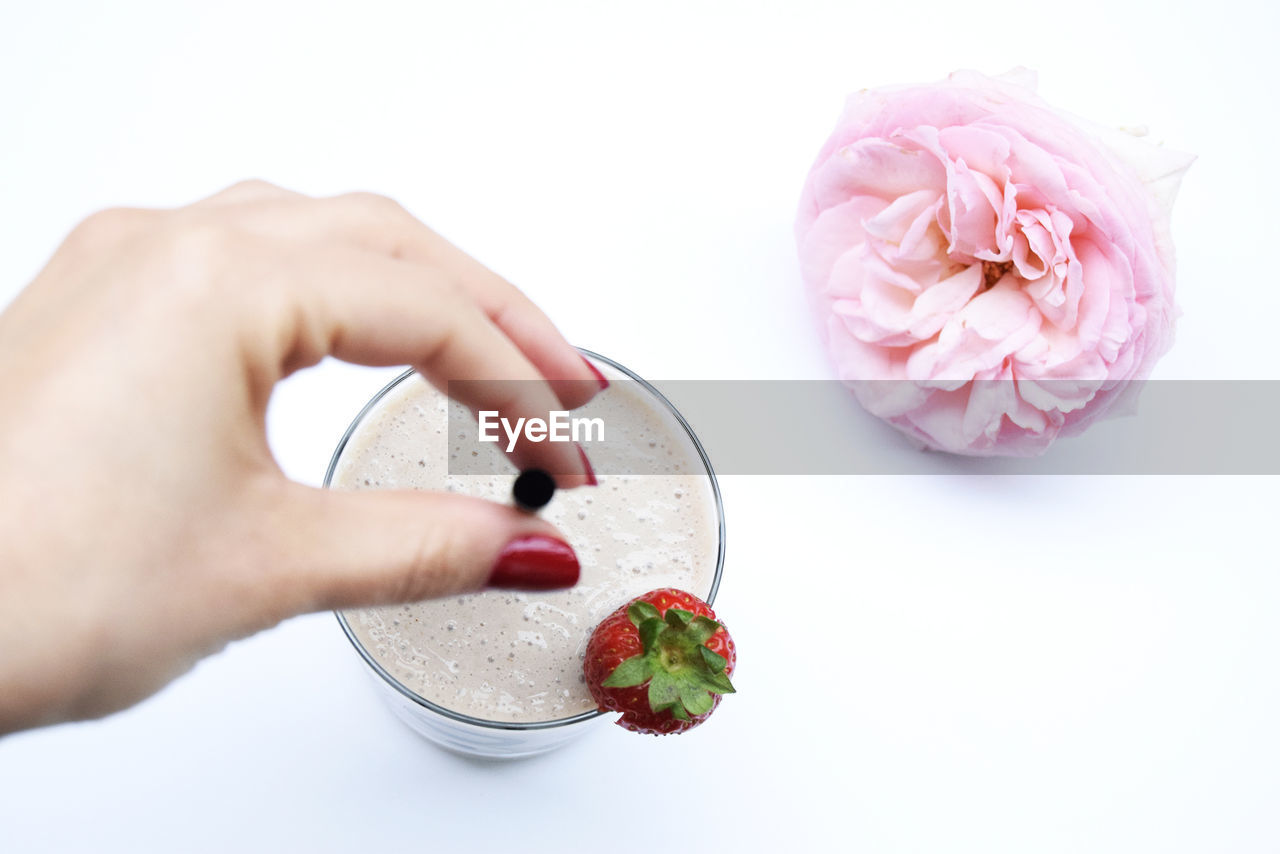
993,271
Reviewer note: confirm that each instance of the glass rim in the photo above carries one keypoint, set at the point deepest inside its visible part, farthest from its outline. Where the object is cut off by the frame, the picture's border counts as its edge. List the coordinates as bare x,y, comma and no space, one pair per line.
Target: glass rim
581,717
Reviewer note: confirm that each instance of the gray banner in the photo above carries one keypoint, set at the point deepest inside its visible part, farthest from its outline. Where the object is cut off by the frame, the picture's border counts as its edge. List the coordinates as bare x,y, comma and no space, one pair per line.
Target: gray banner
817,427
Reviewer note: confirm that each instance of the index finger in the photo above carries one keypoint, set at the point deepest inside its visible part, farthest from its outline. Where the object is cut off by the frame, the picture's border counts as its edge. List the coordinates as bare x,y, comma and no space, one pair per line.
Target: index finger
382,226
408,314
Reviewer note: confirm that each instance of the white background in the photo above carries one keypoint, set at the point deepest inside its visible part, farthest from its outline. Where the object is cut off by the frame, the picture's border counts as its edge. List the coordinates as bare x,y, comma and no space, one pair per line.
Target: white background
930,664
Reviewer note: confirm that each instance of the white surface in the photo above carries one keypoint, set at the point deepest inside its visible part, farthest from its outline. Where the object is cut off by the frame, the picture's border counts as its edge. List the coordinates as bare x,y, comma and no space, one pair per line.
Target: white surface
1018,664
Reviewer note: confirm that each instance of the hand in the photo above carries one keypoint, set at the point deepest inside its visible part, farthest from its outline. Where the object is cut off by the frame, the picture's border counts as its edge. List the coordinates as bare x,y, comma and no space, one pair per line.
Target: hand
145,523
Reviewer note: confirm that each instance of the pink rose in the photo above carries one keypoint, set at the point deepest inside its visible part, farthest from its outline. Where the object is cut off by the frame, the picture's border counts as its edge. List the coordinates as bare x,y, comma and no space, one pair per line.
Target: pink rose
990,273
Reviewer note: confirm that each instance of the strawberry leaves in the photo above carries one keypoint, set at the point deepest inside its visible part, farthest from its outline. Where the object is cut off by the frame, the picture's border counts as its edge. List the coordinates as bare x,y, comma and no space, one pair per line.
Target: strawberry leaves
640,610
682,673
633,671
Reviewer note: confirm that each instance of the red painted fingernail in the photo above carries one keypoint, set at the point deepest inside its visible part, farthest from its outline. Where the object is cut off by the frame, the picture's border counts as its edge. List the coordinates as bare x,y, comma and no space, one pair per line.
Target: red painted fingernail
535,563
586,464
604,383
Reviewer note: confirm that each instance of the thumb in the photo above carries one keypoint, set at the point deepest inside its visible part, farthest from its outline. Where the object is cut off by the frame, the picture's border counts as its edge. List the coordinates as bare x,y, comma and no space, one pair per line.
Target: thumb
344,549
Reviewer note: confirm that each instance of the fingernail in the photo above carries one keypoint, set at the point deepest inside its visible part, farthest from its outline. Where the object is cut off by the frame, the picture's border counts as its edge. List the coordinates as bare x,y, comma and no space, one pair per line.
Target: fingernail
604,383
586,464
535,563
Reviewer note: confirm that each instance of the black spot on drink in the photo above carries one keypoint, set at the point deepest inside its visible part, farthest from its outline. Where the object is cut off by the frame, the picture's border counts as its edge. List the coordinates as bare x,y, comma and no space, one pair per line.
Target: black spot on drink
533,490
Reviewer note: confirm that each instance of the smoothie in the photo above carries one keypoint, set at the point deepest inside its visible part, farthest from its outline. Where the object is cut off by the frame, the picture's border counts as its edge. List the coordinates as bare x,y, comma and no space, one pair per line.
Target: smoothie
517,657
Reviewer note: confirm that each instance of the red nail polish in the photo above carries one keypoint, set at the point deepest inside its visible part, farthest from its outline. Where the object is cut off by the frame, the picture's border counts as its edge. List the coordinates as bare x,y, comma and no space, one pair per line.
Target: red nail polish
586,464
535,563
604,383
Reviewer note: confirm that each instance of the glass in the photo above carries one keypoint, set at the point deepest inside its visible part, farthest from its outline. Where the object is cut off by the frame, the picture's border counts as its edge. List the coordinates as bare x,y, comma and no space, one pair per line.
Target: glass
473,736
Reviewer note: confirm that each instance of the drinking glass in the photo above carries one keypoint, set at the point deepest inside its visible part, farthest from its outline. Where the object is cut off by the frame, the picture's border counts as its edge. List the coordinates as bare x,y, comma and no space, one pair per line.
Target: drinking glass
472,736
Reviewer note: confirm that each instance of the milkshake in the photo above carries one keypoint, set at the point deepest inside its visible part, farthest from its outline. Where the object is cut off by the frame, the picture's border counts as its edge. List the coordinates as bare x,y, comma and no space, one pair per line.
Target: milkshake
513,658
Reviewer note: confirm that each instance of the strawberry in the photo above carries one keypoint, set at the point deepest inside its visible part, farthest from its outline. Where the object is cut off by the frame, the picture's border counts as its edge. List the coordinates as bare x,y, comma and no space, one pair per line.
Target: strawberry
662,660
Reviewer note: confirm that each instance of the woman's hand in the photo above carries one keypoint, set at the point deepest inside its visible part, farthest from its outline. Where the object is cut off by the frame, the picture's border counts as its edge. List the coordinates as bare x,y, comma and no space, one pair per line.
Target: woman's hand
143,521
